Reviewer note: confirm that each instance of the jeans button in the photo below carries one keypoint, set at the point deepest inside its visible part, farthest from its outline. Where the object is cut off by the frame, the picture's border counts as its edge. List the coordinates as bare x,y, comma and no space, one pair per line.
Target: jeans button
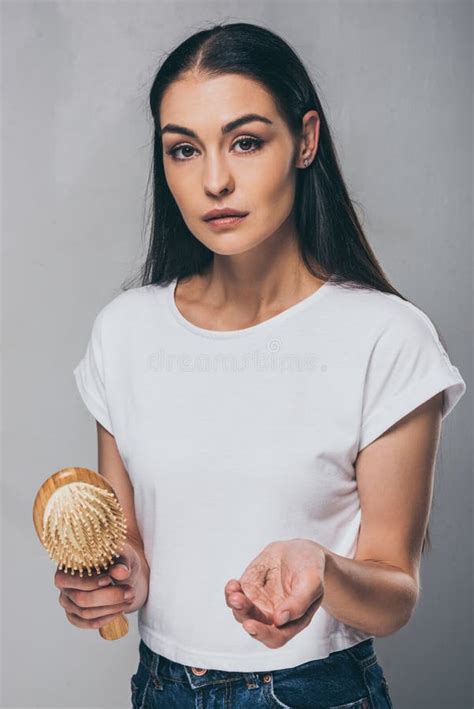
198,671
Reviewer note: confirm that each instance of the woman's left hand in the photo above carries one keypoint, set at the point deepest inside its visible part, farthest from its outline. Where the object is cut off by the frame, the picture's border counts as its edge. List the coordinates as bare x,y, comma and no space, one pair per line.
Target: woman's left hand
285,576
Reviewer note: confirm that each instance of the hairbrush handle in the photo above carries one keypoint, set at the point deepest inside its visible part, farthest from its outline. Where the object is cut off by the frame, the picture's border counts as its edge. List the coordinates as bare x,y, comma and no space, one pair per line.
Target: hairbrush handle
117,628
80,522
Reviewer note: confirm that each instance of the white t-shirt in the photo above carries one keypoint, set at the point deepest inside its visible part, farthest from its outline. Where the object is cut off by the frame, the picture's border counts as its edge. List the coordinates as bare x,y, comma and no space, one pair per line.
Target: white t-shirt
235,439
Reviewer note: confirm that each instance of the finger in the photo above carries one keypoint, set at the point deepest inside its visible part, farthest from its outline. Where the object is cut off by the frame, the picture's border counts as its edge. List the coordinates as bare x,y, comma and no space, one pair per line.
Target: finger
91,613
242,606
276,636
307,590
238,601
91,624
273,636
120,571
126,564
90,610
234,595
108,596
290,609
88,583
232,585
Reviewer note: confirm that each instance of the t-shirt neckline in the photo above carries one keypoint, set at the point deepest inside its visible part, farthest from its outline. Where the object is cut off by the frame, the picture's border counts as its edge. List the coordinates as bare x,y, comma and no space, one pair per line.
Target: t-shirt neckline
275,319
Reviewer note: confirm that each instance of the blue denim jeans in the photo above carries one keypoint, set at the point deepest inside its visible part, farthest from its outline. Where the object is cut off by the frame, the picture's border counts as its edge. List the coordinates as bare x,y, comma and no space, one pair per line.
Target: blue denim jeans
346,679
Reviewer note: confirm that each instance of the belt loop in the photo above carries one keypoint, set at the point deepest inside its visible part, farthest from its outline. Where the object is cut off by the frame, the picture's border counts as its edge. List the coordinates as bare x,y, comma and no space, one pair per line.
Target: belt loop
364,656
155,663
154,669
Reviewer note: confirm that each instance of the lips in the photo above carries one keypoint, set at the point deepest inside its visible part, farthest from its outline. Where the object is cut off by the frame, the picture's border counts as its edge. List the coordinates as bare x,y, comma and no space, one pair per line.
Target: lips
223,214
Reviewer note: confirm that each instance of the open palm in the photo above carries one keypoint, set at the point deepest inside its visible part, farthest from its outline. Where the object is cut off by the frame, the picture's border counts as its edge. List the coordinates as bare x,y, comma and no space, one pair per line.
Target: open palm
286,575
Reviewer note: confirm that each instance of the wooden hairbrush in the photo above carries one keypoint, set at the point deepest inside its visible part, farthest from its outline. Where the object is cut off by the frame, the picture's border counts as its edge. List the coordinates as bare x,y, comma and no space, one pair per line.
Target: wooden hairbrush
81,523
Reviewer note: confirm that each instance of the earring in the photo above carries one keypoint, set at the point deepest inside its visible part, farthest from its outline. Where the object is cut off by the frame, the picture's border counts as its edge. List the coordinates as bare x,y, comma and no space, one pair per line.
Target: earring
306,162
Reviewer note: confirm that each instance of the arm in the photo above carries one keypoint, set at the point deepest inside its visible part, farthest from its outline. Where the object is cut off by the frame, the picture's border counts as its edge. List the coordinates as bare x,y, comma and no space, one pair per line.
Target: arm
377,591
111,467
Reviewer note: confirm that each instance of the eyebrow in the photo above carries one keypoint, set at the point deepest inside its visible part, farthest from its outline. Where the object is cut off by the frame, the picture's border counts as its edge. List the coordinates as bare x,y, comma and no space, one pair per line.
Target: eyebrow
247,118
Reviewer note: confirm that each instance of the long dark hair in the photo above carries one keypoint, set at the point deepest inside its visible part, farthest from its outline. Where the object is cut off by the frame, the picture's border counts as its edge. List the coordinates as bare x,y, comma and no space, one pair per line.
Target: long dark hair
330,236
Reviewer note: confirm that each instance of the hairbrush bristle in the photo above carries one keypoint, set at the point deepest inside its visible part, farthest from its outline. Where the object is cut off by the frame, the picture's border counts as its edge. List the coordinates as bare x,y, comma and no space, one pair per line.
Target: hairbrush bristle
83,527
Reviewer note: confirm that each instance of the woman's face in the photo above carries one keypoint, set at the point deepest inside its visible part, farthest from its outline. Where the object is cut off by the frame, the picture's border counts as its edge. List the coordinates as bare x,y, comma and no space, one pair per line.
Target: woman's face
250,168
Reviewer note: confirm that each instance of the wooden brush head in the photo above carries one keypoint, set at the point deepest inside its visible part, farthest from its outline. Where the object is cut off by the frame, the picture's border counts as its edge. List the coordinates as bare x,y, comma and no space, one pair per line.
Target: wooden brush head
81,523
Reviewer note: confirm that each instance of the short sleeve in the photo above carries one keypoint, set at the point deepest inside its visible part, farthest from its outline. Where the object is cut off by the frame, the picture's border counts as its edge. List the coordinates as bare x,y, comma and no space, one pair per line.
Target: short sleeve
408,365
90,376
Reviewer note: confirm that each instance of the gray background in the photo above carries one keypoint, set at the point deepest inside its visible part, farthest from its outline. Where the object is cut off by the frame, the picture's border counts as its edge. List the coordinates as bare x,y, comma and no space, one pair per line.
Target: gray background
396,81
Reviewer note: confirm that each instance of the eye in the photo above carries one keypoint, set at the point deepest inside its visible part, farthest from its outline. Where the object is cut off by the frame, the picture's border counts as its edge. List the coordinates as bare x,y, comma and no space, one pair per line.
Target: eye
256,142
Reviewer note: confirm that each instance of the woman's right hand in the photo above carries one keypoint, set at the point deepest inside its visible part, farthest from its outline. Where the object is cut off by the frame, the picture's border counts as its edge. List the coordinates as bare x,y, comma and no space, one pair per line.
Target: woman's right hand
89,605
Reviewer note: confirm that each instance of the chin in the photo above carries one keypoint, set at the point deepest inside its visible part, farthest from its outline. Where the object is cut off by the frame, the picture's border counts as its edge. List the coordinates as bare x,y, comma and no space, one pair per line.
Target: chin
235,251
226,244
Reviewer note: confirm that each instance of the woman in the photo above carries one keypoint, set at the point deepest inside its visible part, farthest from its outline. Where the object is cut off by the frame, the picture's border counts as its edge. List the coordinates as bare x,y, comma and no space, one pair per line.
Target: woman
268,406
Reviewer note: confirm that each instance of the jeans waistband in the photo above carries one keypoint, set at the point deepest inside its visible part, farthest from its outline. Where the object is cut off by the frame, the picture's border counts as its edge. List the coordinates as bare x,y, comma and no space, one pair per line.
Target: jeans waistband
158,665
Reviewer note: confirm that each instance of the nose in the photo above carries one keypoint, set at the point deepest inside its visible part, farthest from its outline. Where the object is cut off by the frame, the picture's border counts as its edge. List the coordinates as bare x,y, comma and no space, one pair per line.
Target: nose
217,176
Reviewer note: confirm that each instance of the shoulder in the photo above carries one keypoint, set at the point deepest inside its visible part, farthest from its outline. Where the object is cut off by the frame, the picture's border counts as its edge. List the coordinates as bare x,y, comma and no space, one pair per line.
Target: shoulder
128,305
125,316
385,314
